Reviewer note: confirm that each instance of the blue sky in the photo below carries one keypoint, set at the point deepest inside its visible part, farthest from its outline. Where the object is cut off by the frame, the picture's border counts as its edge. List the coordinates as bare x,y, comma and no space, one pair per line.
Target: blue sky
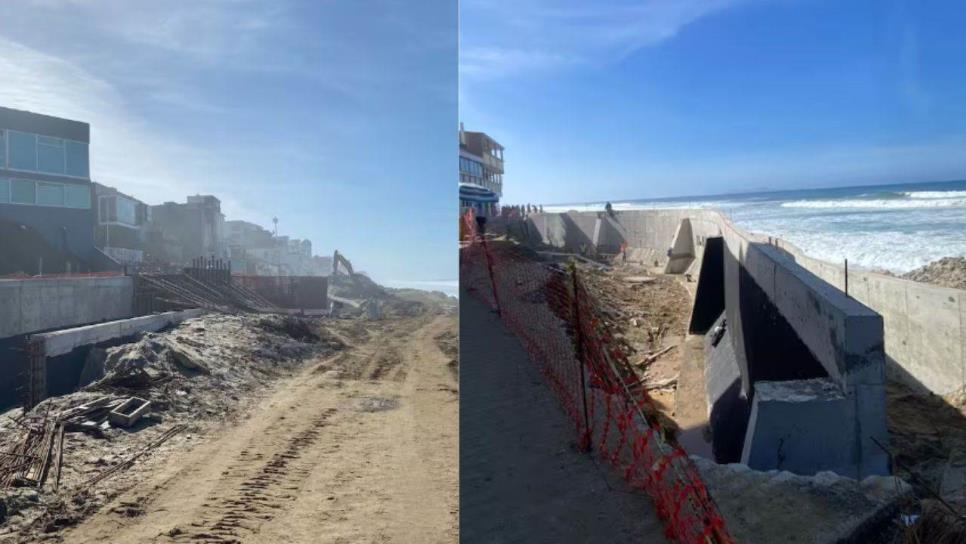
622,99
338,117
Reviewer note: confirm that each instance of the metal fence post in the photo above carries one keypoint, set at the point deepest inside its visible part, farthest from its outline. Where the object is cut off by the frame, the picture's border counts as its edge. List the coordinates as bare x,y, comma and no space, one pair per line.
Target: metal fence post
579,352
489,267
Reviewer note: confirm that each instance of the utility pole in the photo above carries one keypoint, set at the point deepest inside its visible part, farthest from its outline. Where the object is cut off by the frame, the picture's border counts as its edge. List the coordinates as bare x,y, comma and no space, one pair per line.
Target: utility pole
278,257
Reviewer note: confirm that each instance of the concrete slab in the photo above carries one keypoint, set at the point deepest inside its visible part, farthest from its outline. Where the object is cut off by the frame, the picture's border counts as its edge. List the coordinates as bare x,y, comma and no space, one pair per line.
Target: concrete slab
63,341
809,426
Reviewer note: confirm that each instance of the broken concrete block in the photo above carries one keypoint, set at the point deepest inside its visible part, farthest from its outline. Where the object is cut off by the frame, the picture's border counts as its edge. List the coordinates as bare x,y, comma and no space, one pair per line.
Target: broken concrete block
129,412
806,426
188,358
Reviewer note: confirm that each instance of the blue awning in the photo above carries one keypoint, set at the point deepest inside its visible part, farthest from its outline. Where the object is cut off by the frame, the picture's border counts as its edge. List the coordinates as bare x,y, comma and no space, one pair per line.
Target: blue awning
475,193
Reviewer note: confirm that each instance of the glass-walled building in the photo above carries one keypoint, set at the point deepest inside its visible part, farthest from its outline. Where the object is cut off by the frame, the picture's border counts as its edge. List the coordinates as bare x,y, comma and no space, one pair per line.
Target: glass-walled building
45,194
121,225
481,172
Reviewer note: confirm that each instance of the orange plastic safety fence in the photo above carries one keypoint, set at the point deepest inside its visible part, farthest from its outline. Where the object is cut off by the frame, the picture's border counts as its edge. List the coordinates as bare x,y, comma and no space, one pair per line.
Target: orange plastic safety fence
559,324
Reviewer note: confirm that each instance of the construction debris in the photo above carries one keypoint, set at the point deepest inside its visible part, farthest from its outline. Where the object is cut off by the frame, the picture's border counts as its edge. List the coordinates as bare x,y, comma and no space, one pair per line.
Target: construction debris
151,394
128,412
655,355
778,506
648,315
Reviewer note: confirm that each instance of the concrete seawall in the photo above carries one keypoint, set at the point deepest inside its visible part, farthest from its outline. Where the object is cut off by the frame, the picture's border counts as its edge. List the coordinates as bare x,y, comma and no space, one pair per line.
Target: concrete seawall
799,349
42,304
925,325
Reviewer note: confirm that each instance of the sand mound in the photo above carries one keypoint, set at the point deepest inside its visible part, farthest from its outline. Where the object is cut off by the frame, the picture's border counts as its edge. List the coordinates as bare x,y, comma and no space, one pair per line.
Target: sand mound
946,272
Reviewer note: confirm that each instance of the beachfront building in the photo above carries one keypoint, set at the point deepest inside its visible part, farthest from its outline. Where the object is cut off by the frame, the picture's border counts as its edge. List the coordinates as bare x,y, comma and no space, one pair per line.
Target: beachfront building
46,221
481,172
255,251
121,223
182,232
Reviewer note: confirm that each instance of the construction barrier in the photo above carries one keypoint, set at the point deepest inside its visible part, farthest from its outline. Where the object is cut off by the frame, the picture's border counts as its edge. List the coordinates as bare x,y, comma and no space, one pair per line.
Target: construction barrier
560,325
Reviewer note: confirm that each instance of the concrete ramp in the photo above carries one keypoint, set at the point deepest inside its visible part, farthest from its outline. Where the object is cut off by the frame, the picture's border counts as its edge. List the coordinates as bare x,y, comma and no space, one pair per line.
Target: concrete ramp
681,254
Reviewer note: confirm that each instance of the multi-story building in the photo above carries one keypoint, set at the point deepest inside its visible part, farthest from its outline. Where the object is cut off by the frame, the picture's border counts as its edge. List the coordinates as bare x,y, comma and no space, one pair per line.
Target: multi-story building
256,251
244,240
121,223
182,232
481,172
245,234
45,195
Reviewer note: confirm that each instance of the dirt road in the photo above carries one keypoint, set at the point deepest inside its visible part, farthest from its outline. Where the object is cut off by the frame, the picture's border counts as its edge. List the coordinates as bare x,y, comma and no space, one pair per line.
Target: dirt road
360,447
522,479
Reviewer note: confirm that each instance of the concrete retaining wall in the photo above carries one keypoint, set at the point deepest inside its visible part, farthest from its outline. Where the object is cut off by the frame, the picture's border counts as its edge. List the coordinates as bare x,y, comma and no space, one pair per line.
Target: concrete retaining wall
32,305
64,341
925,325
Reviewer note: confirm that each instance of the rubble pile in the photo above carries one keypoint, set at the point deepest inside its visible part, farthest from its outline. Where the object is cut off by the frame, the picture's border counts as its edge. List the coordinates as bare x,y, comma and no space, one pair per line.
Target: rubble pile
778,506
647,311
356,286
946,272
155,393
928,439
375,301
648,315
205,364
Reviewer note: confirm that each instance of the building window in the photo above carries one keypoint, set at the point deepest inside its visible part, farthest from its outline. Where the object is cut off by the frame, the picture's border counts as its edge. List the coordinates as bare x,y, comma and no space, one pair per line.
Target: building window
3,150
78,163
44,193
50,155
77,196
126,211
50,194
23,192
106,210
23,150
35,153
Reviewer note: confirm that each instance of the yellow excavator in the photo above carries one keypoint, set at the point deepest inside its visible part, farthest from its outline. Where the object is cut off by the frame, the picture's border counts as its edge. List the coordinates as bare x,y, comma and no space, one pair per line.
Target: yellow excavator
346,265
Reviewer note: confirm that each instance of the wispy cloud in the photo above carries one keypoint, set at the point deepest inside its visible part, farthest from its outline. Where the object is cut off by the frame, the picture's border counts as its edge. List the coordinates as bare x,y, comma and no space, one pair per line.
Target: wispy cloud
497,62
127,151
246,34
518,37
124,149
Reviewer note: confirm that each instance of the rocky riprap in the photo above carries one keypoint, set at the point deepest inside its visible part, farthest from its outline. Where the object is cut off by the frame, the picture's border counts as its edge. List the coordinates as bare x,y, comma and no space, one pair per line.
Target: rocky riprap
946,272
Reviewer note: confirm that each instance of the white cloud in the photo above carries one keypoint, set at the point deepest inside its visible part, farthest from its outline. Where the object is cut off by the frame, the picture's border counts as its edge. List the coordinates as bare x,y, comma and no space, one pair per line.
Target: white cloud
126,151
495,62
512,38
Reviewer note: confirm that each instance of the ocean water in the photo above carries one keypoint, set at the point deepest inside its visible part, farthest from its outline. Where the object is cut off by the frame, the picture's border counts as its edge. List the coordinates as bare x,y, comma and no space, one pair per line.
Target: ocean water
449,287
884,227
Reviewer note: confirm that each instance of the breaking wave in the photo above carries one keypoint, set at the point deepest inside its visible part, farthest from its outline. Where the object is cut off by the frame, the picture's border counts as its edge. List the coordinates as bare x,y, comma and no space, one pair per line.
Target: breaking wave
881,204
935,194
653,205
